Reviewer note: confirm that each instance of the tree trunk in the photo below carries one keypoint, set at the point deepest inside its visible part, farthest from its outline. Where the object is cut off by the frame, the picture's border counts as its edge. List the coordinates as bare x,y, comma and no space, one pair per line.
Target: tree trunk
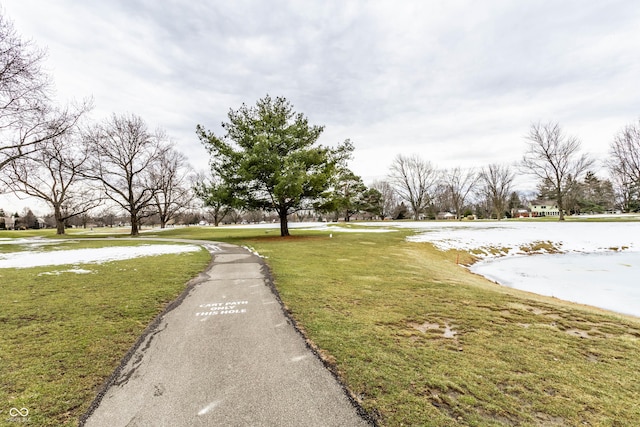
416,213
499,207
134,225
284,224
560,203
59,221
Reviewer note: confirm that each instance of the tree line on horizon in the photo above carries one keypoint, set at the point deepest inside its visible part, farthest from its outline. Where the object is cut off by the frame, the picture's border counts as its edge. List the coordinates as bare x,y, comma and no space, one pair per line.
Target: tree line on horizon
265,165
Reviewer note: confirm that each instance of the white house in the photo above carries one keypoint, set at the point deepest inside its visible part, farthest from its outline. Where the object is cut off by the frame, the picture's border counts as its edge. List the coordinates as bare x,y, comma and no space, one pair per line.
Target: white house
544,208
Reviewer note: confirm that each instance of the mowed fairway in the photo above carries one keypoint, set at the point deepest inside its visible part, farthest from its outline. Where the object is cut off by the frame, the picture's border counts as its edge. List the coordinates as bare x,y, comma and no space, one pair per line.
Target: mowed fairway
62,334
417,339
421,341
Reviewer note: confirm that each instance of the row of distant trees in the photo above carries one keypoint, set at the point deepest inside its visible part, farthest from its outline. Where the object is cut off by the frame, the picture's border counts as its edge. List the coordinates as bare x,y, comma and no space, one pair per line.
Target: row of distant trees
113,217
563,175
266,160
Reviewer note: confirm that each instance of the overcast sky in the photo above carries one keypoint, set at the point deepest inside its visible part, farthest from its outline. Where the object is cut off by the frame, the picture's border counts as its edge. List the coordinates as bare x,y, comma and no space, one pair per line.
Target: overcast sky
457,82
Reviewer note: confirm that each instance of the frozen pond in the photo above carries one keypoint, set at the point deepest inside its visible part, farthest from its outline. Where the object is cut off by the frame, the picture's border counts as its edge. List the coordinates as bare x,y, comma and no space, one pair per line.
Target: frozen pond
605,280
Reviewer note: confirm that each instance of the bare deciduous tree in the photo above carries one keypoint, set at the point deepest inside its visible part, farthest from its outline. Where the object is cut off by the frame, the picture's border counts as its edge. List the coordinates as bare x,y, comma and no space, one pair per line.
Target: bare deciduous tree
496,186
53,174
459,184
27,117
389,199
123,156
174,192
414,180
554,157
624,165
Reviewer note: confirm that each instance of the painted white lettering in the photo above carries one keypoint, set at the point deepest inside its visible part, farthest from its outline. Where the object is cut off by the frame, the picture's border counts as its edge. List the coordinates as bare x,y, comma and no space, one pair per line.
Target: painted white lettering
222,308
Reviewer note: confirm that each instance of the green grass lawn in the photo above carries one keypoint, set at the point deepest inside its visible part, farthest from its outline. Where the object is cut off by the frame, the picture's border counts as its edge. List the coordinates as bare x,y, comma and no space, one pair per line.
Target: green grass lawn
418,339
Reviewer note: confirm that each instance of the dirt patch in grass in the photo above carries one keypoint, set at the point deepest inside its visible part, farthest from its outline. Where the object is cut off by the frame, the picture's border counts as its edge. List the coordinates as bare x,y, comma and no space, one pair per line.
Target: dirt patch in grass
447,331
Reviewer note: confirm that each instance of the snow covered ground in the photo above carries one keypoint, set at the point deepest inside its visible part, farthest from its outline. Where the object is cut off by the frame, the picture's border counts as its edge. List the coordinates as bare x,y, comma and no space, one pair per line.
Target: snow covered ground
516,238
36,258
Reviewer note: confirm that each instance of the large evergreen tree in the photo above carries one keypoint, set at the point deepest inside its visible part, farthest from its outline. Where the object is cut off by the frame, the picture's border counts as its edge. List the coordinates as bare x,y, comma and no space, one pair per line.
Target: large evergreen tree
270,159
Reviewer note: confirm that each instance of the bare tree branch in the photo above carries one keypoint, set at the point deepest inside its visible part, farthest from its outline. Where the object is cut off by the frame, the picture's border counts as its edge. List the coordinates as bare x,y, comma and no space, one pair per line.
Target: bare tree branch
624,165
459,184
552,156
123,157
414,180
53,175
174,194
27,118
496,186
389,199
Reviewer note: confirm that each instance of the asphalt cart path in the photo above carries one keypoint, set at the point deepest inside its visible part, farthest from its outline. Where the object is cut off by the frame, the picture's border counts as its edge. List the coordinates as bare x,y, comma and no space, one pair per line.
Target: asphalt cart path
224,355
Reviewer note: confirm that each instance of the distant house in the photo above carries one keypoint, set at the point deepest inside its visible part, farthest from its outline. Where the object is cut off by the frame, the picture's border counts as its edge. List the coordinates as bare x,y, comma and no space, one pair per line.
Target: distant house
9,222
540,208
445,215
520,213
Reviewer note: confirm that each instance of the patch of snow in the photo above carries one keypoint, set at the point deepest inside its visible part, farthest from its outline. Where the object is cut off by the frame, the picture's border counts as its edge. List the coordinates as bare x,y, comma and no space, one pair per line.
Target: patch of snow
253,251
71,270
88,256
